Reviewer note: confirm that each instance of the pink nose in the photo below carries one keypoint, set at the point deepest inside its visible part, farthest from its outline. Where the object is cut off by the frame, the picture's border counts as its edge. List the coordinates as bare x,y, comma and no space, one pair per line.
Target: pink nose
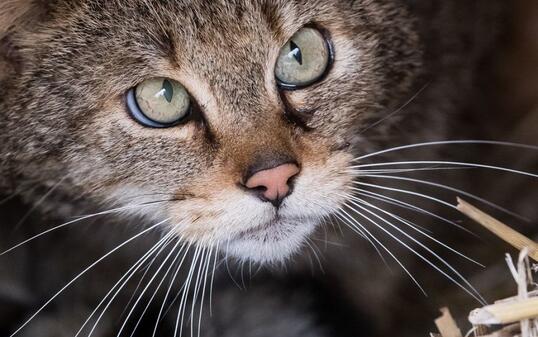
274,182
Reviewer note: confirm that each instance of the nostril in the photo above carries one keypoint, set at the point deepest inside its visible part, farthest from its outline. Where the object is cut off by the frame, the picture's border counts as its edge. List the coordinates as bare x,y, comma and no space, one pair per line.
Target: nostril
259,189
273,184
291,180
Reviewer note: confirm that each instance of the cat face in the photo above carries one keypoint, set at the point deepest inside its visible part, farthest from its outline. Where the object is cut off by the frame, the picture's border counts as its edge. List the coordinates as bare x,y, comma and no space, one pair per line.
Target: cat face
258,164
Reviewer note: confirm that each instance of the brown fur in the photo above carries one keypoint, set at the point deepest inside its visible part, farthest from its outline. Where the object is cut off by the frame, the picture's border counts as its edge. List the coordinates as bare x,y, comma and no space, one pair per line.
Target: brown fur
85,136
64,123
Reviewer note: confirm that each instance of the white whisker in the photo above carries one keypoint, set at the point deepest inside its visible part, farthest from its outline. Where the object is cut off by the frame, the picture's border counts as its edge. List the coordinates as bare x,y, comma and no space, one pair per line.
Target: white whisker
424,196
213,281
417,229
402,204
120,284
311,245
347,219
452,189
448,142
206,271
197,285
362,232
434,162
150,282
471,290
226,259
403,106
157,288
183,301
362,172
38,203
354,223
85,217
84,272
169,290
140,282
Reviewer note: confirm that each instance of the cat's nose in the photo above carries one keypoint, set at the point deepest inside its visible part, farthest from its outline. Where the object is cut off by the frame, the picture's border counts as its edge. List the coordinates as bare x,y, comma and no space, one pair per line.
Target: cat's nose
273,184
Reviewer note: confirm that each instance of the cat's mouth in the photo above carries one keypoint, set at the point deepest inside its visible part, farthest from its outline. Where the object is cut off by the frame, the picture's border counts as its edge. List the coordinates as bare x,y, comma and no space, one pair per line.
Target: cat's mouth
271,225
275,240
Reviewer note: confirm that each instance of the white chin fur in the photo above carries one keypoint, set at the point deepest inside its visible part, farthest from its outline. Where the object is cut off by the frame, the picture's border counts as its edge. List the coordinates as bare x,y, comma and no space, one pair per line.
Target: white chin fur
273,244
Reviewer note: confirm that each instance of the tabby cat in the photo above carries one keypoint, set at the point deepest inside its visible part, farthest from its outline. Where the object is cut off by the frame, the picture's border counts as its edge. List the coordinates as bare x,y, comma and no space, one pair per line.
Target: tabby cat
192,138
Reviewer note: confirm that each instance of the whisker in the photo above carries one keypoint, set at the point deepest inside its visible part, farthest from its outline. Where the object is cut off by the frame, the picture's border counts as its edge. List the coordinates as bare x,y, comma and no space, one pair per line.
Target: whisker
14,195
434,162
120,284
226,259
170,306
471,290
324,225
242,274
157,288
150,282
169,290
449,142
250,270
38,203
338,227
452,189
311,245
401,204
84,272
424,196
203,291
197,285
85,217
417,229
362,172
213,281
345,217
327,242
178,295
146,272
397,111
182,303
355,223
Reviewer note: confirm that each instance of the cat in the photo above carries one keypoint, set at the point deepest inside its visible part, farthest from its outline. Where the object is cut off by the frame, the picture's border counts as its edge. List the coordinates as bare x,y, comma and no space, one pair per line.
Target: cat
212,127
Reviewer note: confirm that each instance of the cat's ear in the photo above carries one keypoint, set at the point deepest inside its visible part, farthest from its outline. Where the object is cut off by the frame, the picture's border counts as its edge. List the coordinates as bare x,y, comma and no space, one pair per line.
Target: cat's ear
17,12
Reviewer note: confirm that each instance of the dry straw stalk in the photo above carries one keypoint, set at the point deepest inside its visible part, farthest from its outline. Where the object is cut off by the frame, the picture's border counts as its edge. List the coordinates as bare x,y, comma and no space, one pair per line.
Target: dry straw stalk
503,231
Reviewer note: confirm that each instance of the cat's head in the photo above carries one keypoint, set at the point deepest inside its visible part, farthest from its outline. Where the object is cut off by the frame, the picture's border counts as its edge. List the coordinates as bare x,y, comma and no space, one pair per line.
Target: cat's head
236,120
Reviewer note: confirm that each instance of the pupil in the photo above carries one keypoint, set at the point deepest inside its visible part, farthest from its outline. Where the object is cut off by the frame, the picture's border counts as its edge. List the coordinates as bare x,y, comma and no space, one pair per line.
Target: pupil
168,91
295,52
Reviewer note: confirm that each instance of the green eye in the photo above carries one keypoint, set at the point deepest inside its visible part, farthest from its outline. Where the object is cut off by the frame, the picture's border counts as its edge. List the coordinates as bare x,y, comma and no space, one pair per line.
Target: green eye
159,102
303,60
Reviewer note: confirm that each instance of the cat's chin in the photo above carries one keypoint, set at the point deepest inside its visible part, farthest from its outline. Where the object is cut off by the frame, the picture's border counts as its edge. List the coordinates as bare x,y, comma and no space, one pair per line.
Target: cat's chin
273,242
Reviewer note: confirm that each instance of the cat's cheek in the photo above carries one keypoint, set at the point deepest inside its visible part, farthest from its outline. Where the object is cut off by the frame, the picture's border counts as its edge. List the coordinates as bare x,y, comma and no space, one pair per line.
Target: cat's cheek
319,192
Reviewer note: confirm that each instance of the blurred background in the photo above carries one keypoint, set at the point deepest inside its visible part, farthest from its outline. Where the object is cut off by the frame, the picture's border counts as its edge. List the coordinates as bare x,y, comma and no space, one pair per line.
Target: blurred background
512,81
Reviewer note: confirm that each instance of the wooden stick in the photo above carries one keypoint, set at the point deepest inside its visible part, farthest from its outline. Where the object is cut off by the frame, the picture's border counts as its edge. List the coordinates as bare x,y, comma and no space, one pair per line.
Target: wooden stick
481,330
446,325
505,313
498,228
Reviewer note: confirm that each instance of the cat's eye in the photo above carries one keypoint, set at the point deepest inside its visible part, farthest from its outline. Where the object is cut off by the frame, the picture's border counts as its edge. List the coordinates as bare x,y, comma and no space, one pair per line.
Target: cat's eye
304,59
159,103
